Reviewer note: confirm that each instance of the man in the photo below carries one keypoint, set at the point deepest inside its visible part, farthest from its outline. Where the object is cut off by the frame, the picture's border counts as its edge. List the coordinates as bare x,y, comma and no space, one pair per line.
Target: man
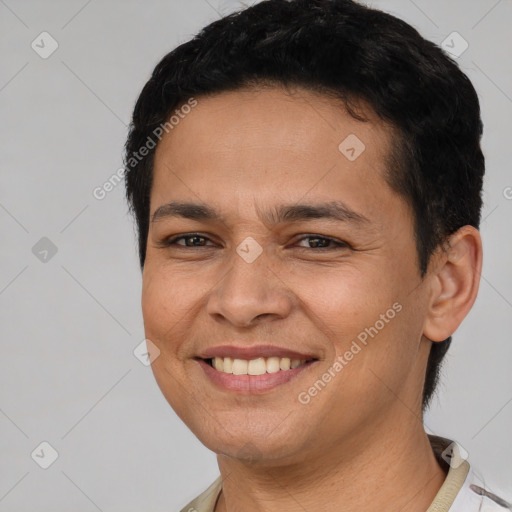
306,178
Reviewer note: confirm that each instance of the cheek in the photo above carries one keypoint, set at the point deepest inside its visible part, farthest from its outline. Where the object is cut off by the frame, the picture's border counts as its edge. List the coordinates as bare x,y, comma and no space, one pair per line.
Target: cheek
168,301
157,311
347,300
166,309
363,318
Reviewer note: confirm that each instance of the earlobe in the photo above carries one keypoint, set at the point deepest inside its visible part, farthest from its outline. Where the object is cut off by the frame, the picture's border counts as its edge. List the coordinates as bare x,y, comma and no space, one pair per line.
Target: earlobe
455,283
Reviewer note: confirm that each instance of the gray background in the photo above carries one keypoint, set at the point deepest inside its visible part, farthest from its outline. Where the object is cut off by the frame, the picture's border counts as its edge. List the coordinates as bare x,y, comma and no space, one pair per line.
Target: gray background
69,324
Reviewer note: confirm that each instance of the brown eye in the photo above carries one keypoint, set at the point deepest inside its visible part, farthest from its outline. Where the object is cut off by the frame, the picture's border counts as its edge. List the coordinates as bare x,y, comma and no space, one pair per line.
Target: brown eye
190,239
321,242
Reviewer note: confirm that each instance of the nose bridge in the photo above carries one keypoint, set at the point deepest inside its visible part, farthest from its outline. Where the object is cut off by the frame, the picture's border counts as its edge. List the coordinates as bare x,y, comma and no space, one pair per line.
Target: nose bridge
249,288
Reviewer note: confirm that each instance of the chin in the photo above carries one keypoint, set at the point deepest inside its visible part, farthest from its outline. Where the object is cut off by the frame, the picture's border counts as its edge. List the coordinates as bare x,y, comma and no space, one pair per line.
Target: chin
245,446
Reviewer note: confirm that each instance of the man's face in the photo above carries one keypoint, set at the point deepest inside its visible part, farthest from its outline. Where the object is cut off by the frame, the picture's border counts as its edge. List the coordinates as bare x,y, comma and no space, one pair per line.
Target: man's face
253,277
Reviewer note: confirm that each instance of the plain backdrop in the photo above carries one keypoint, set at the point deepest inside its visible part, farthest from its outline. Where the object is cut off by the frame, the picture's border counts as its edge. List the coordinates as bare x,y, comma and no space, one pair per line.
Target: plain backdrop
70,282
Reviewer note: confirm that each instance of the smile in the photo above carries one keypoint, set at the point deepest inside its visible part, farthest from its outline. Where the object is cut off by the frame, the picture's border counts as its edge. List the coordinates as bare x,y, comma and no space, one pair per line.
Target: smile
258,366
253,376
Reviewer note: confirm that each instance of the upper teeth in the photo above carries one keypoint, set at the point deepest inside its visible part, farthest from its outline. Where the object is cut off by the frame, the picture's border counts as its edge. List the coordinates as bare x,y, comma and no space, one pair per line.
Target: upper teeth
255,366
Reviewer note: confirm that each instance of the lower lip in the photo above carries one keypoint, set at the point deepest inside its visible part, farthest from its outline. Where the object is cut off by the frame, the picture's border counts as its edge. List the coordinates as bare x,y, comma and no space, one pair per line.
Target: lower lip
251,384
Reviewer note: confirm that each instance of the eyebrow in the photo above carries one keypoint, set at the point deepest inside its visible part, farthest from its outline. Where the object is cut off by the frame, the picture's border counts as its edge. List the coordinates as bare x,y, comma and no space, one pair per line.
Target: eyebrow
334,210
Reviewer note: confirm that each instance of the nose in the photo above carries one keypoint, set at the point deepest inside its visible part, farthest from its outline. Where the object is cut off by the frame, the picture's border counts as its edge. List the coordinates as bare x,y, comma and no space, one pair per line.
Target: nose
249,293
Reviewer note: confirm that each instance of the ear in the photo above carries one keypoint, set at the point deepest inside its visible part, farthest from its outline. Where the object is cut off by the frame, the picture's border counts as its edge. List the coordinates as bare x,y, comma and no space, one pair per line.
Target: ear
455,278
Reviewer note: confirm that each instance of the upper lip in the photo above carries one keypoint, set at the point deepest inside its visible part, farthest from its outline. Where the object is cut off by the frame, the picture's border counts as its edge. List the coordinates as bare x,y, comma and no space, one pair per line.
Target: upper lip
253,352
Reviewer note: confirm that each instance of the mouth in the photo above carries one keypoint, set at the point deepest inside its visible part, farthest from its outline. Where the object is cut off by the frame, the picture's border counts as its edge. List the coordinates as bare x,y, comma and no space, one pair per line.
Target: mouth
258,366
254,376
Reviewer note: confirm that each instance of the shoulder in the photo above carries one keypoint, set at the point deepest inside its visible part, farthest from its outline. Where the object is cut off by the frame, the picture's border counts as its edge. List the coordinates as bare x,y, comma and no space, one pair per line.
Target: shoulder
464,489
473,496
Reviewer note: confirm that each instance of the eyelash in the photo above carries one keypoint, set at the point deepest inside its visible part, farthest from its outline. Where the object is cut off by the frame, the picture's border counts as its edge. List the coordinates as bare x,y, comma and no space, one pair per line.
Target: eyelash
172,242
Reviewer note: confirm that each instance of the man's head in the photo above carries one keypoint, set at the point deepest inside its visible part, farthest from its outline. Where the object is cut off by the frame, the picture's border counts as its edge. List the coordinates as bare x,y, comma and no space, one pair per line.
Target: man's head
306,103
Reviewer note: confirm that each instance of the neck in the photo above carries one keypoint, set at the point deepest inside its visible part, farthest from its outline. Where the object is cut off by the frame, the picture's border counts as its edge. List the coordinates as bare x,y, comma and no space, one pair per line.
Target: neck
397,471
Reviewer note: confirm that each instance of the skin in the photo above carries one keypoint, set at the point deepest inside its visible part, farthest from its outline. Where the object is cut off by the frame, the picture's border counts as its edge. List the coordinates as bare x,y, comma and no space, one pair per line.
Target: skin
360,440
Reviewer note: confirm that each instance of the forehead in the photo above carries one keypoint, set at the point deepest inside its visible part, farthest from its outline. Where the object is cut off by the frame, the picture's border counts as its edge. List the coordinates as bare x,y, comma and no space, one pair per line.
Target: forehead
273,116
273,144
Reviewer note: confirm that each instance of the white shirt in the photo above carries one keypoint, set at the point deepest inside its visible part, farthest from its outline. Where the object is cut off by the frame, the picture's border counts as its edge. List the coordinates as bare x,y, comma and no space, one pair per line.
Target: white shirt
462,490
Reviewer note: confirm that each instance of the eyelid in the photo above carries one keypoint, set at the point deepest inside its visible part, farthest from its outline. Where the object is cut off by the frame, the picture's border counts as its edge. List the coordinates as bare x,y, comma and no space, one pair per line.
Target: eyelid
339,243
171,241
